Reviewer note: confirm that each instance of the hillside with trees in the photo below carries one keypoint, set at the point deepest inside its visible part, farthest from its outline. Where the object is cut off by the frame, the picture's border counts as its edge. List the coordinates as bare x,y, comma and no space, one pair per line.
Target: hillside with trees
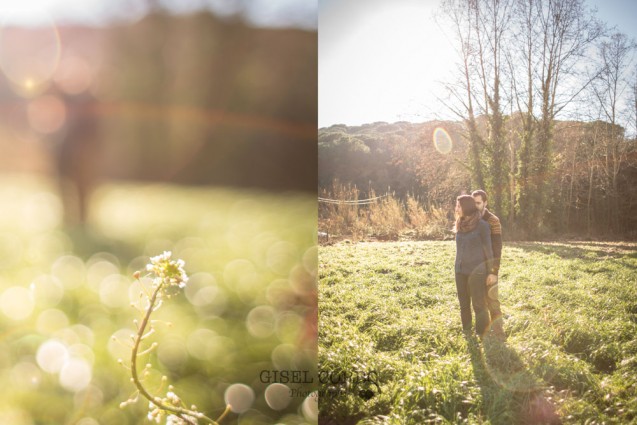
590,185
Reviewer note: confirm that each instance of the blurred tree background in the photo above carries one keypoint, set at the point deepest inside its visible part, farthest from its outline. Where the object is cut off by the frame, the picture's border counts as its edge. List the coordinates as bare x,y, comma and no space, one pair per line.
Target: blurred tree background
158,129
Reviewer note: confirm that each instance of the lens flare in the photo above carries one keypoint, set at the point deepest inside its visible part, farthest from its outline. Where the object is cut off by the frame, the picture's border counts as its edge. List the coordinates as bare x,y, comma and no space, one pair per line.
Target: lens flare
29,56
442,141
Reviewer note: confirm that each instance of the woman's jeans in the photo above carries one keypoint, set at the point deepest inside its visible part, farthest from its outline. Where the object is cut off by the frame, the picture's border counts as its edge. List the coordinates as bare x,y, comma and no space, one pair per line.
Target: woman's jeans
472,289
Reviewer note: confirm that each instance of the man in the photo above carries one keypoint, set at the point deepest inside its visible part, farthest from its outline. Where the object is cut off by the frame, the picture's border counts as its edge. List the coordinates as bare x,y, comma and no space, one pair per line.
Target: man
493,304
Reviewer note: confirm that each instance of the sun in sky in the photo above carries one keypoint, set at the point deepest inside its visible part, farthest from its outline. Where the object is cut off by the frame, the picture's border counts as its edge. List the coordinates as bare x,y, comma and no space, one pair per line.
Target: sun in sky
386,60
379,61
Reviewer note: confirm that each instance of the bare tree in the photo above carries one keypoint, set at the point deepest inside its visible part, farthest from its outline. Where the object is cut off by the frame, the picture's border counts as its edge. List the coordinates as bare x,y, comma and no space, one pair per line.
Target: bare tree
611,89
566,30
462,92
480,29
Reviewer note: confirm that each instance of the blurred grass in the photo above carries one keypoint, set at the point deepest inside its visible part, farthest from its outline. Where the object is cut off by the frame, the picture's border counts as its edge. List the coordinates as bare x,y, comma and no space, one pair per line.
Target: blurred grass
251,257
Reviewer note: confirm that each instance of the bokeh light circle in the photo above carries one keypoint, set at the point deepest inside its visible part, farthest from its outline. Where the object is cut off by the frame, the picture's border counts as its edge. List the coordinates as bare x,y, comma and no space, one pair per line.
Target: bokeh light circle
114,291
120,344
26,375
75,374
51,356
15,416
51,320
240,397
172,351
41,212
29,58
202,344
74,75
310,408
47,290
277,396
70,270
261,321
442,141
17,303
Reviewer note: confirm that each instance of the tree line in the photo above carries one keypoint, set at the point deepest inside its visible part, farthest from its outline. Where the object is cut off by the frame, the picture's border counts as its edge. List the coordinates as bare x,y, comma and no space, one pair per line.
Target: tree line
403,160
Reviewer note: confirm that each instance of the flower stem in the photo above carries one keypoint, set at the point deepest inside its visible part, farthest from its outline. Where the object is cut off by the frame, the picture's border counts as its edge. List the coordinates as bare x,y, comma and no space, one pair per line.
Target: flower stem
180,412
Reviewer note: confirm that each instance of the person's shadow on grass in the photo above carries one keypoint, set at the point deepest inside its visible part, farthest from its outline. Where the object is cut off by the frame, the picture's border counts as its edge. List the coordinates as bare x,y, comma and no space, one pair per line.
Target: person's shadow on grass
510,393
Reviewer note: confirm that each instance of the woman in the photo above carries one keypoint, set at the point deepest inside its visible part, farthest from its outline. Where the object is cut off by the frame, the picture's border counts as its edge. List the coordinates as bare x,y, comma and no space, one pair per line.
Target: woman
474,258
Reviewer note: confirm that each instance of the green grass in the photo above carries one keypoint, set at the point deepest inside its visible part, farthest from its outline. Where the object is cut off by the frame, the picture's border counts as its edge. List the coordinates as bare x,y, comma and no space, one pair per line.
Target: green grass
571,320
245,251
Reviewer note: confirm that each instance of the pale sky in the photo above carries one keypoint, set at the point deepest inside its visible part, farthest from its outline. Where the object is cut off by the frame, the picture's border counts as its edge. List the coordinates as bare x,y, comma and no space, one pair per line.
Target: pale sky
268,13
382,60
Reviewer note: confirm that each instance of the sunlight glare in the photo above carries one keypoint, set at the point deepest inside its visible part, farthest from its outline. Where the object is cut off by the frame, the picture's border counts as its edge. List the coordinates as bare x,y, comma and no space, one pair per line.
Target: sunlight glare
29,57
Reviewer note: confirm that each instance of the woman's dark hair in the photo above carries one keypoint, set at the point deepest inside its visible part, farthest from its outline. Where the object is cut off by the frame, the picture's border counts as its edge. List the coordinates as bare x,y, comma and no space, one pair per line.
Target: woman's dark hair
467,205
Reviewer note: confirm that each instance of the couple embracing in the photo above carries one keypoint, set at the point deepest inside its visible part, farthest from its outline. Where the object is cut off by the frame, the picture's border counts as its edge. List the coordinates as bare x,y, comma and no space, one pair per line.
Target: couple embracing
478,250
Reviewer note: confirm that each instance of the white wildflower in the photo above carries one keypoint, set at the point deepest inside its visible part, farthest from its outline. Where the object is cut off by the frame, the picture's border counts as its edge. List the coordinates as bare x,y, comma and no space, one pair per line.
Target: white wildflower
168,270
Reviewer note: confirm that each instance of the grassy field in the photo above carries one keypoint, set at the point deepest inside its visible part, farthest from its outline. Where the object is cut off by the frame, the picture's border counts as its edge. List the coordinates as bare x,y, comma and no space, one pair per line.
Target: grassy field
390,336
66,292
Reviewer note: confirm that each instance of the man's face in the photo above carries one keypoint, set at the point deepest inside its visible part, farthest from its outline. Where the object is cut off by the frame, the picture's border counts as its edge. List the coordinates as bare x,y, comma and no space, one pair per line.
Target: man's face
480,204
